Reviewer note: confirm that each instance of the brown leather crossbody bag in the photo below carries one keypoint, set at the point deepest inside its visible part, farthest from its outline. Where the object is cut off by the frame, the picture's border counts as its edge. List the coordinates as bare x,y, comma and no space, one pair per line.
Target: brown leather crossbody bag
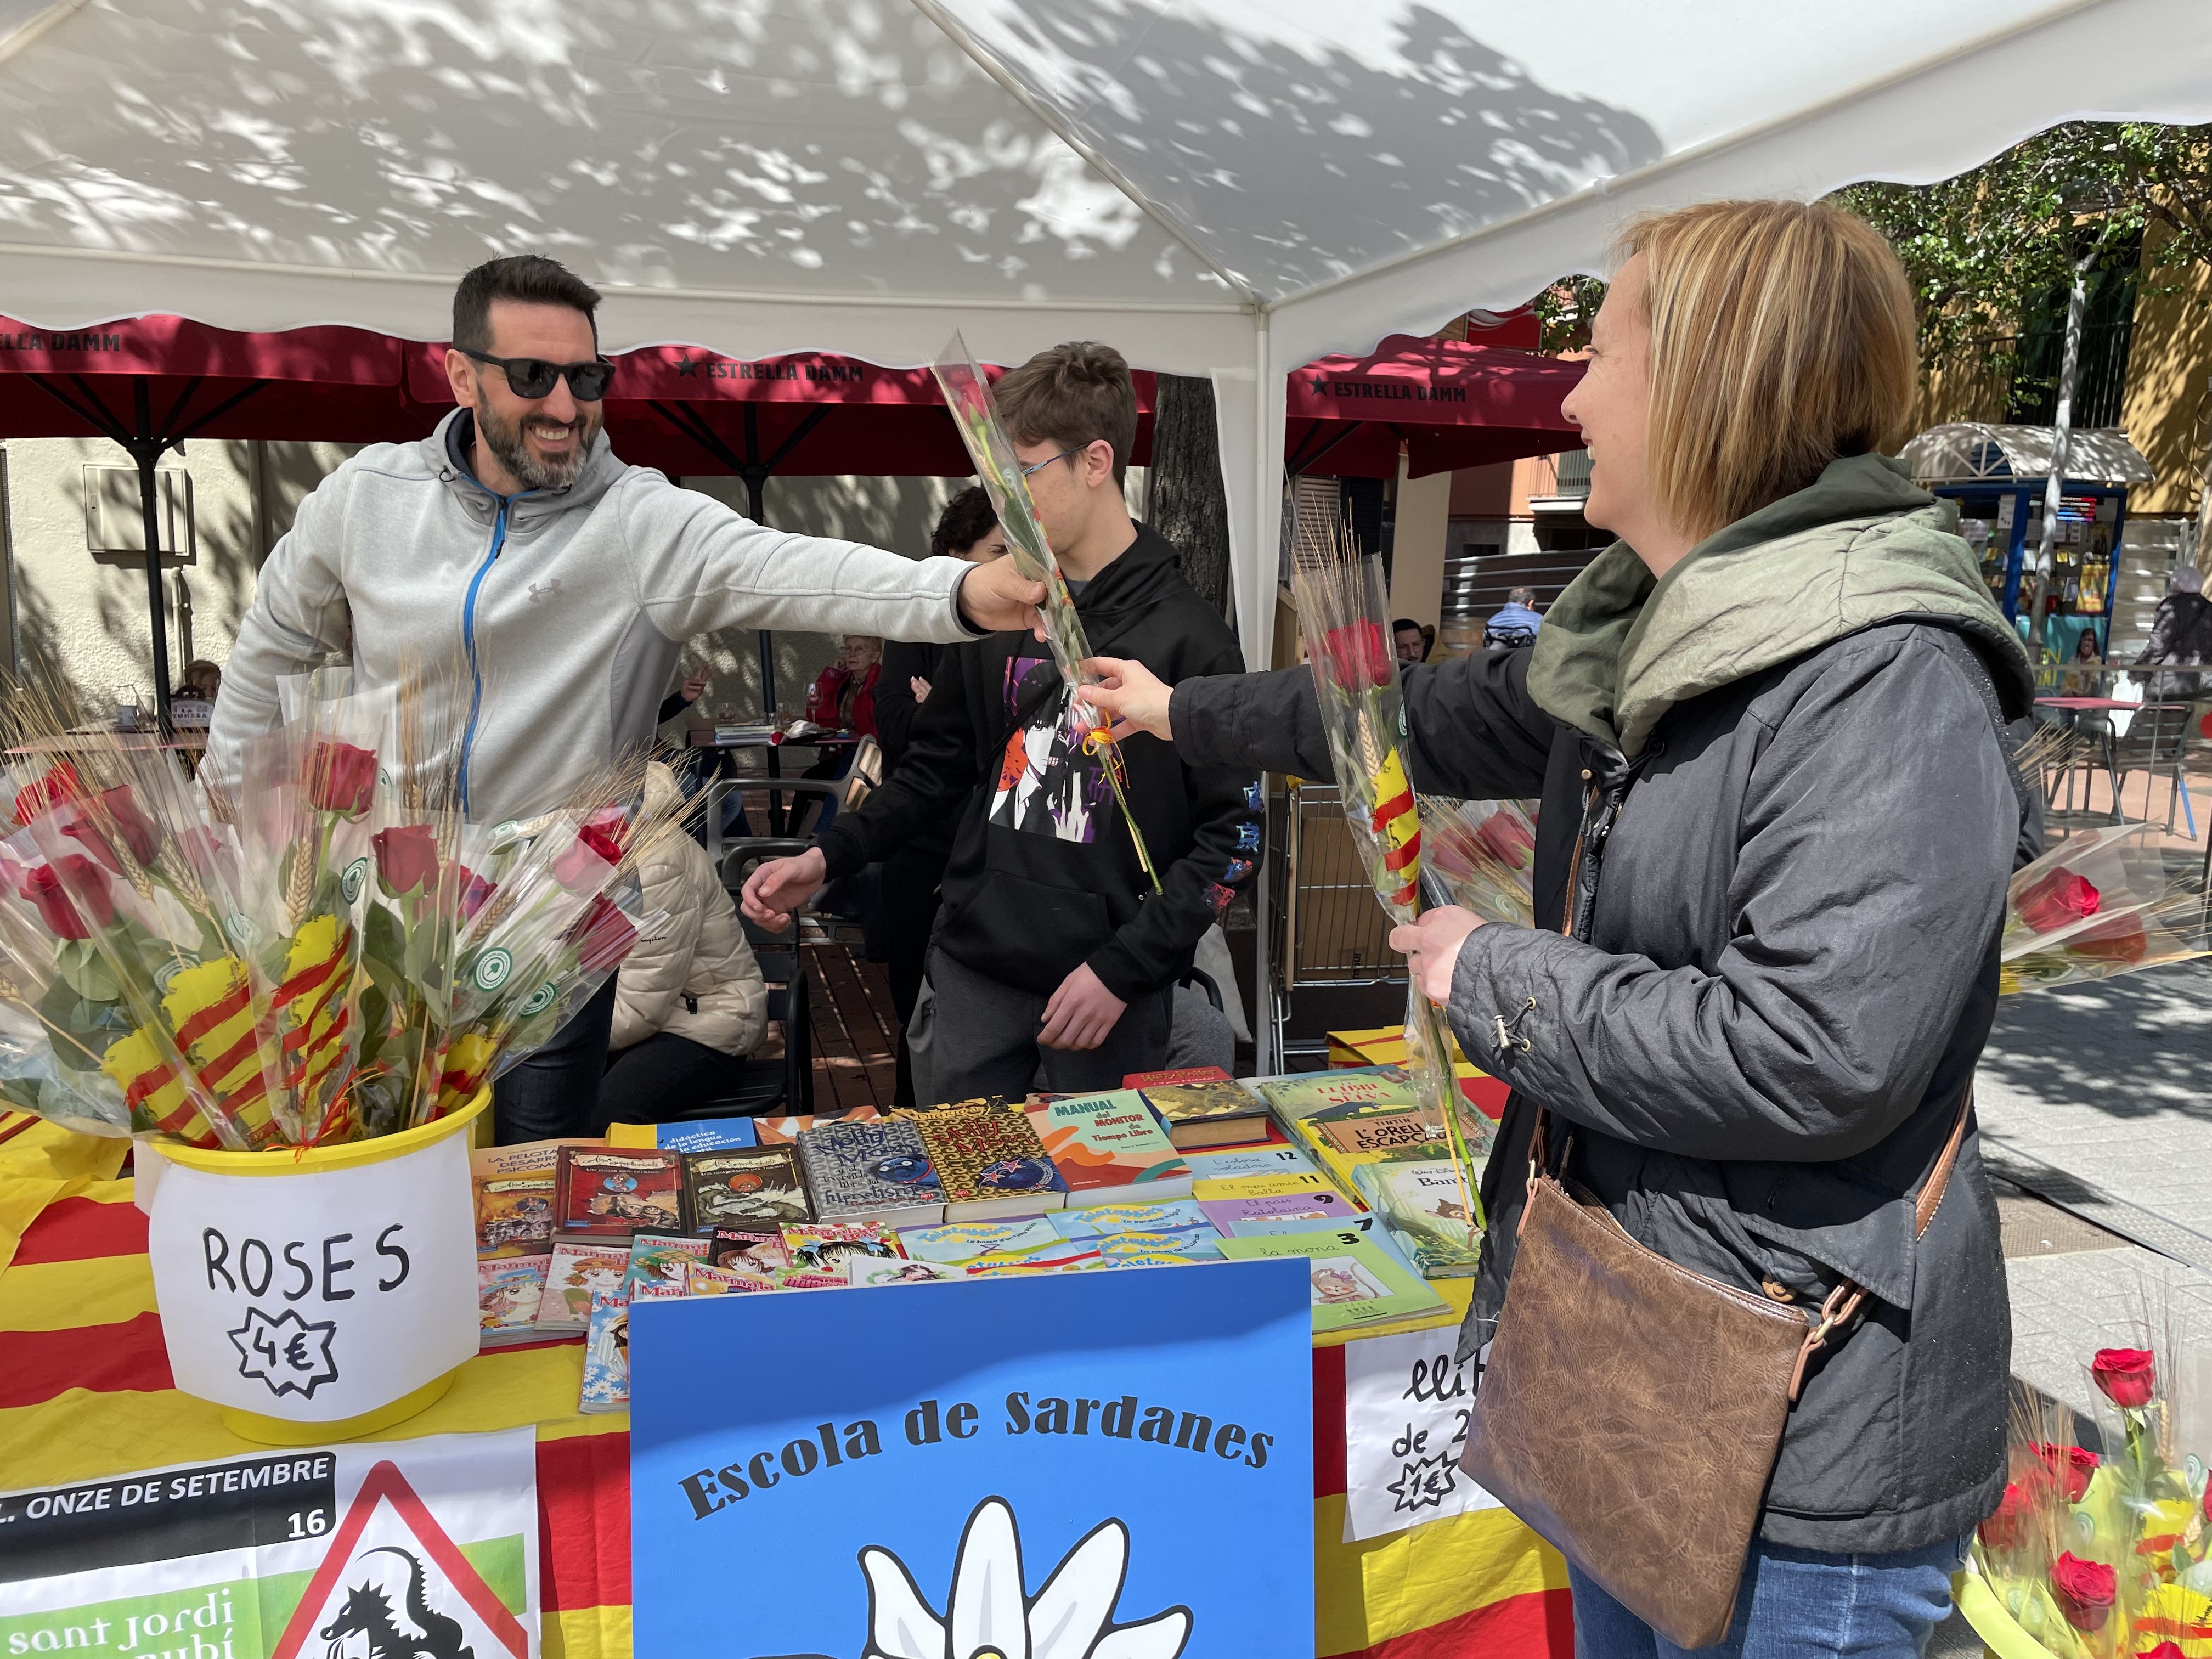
1621,1387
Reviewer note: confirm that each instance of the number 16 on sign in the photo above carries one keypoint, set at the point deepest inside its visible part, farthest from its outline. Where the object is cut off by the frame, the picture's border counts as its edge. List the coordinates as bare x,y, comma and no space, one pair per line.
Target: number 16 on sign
1406,1406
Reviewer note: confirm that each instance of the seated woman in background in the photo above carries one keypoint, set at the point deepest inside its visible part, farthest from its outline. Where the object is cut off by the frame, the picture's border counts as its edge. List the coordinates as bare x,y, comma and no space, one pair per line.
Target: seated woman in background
691,1005
843,696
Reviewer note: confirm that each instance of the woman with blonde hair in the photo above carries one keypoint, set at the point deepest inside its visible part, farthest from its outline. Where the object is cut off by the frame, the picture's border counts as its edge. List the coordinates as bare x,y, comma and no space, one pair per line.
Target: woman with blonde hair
1778,820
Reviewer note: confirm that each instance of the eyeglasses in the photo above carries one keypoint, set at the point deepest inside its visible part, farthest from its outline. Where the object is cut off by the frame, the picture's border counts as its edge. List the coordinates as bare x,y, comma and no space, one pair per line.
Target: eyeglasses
1039,466
533,377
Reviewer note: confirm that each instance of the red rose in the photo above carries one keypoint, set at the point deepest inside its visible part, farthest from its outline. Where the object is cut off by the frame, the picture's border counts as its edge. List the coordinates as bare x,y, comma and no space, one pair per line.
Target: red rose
115,817
2121,941
2069,1466
584,865
605,936
2166,1650
406,858
341,778
202,853
1503,837
2085,1591
60,783
2002,1530
1359,656
2055,900
476,892
2127,1376
52,887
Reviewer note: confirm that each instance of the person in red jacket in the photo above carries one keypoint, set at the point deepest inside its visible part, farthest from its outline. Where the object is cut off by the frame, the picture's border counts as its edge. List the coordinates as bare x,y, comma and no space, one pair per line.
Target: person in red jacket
843,695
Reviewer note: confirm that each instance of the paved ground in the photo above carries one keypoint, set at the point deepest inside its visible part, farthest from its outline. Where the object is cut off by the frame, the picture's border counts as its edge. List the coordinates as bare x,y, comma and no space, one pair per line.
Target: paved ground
2096,1114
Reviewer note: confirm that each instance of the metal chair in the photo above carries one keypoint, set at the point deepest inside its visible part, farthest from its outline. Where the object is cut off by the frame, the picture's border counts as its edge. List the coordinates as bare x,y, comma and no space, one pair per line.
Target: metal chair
2154,743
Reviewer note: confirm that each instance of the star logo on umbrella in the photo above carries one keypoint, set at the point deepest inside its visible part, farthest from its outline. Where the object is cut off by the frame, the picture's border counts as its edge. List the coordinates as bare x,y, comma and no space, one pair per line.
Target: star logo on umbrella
687,365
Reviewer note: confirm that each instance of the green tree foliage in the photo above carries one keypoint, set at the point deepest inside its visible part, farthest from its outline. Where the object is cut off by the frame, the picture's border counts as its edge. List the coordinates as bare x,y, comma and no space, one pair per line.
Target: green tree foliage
1986,248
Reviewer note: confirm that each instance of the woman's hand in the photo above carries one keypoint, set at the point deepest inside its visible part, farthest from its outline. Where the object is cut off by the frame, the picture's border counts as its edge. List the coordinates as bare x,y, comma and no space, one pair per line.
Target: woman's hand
919,687
1431,948
1132,694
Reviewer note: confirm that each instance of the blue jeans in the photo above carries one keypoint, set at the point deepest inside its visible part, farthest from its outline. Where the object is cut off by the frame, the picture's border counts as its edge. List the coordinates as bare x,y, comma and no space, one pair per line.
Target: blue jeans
1796,1604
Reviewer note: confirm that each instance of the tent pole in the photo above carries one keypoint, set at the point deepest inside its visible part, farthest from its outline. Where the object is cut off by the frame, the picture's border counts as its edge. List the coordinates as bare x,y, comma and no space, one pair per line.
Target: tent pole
1258,642
147,452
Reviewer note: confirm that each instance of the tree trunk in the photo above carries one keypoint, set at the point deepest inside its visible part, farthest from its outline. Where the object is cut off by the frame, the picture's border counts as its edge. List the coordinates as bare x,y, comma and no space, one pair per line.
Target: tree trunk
1184,498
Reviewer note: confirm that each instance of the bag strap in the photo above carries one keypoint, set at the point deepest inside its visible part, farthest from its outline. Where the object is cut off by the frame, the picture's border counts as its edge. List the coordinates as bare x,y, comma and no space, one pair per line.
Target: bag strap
1849,1297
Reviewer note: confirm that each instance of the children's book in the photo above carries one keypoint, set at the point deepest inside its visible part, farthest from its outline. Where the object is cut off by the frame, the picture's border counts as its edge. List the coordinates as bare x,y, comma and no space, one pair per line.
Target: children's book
709,1134
871,1270
663,1290
705,1279
1110,1149
870,1171
609,1192
810,1281
990,1162
746,1188
1208,1112
1119,1231
1299,1094
1427,1205
957,1242
746,1251
1388,1133
1235,1163
574,1274
825,1247
515,1189
785,1131
1369,1227
606,1355
1355,1285
1186,1074
654,1259
1319,1205
508,1291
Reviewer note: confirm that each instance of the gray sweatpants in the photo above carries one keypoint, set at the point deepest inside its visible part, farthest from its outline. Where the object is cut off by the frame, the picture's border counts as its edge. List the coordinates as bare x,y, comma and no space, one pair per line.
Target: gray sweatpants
984,1039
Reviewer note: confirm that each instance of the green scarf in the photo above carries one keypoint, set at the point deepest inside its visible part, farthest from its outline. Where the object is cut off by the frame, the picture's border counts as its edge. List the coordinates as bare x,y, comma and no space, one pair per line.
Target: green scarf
1860,545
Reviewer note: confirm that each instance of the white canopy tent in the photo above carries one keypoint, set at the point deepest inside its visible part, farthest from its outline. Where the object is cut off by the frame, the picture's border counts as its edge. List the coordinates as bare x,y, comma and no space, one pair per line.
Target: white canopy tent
1220,187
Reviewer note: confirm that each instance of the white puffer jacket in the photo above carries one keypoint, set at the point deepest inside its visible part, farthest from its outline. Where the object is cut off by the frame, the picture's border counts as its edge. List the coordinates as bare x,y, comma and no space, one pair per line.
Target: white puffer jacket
698,980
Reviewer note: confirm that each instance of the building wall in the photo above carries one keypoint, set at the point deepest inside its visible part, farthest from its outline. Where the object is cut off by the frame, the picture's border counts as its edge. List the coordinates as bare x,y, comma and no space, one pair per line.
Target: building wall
91,620
2169,393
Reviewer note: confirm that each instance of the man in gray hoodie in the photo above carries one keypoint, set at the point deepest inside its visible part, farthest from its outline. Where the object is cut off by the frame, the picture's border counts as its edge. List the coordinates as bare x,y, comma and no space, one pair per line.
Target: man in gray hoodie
560,582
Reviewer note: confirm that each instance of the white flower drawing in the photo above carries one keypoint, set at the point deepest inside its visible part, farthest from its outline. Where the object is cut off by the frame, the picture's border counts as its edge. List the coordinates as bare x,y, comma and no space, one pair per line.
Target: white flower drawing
988,1616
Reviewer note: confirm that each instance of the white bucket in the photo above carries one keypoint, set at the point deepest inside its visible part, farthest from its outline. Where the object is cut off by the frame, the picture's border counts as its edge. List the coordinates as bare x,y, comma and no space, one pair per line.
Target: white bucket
316,1295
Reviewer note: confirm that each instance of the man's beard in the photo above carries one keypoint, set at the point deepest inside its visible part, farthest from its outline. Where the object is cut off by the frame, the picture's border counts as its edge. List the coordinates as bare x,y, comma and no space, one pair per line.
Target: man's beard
532,471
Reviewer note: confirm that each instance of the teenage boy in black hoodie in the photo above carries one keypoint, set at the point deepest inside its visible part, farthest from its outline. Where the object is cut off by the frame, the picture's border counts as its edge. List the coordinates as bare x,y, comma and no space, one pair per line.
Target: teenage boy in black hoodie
1051,946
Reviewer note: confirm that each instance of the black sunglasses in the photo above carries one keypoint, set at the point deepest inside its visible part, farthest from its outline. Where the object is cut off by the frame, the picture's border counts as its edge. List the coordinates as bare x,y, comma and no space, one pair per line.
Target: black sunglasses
533,377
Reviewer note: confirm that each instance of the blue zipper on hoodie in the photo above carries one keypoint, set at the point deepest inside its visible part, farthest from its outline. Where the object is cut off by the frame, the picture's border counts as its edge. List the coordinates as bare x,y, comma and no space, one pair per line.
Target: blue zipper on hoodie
469,641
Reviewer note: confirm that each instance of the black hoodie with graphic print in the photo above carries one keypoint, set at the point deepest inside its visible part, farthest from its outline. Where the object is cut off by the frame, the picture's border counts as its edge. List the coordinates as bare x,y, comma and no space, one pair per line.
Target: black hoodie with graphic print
1043,874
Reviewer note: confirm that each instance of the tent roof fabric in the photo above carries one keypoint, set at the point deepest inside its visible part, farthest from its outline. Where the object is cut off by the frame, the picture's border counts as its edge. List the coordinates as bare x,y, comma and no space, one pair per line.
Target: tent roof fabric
1969,451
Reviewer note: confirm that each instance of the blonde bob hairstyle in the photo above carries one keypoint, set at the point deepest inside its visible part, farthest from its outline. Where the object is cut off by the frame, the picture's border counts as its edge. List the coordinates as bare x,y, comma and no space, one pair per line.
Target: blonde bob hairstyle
1783,336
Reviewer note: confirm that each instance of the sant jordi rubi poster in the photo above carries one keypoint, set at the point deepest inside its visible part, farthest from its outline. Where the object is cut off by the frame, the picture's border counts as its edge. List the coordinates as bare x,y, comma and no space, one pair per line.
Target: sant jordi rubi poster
1084,1466
424,1549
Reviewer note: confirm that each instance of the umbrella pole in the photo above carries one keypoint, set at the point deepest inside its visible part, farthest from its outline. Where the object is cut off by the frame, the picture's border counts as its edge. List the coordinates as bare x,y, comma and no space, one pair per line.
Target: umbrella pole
146,452
755,479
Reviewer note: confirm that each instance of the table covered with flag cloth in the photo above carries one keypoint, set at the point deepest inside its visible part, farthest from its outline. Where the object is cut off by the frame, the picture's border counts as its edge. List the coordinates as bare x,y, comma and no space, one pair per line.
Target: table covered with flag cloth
85,1391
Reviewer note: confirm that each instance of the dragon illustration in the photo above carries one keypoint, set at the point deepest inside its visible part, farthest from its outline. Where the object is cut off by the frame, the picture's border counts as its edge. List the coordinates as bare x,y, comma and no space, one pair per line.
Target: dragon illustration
367,1612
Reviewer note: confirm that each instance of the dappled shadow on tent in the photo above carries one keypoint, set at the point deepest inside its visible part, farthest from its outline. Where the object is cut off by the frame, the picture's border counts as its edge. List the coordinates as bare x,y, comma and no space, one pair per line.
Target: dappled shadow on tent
785,147
1305,164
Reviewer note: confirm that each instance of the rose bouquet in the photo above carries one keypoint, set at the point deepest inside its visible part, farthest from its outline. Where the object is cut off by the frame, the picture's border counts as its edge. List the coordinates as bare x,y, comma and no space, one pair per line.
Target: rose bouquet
333,954
1338,592
968,394
2098,904
2090,1555
1483,854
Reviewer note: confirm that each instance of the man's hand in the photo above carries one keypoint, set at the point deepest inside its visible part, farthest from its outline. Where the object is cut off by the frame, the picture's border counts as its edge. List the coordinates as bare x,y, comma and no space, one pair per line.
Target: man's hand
1081,1013
919,687
1431,948
1130,693
996,597
694,684
779,886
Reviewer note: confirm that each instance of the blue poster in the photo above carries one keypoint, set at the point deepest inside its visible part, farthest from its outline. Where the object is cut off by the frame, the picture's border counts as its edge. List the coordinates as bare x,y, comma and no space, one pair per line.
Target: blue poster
1081,1465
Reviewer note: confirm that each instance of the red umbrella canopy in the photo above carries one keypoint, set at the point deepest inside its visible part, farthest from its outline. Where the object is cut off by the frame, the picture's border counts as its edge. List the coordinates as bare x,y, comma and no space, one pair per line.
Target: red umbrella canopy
168,377
1452,404
810,415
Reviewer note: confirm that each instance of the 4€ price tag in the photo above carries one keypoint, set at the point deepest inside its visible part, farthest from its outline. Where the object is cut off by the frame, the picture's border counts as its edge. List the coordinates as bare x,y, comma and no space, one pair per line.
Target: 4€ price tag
1406,1409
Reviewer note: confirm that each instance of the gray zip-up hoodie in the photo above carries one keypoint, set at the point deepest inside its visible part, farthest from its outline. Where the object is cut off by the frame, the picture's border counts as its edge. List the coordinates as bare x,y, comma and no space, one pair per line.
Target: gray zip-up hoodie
561,612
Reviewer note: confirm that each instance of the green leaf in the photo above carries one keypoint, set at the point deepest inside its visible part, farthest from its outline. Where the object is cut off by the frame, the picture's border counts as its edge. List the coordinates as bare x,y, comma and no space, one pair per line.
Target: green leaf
79,963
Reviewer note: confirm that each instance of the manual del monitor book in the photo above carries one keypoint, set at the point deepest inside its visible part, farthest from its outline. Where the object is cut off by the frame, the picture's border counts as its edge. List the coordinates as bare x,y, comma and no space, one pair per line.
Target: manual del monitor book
1110,1149
1355,1285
